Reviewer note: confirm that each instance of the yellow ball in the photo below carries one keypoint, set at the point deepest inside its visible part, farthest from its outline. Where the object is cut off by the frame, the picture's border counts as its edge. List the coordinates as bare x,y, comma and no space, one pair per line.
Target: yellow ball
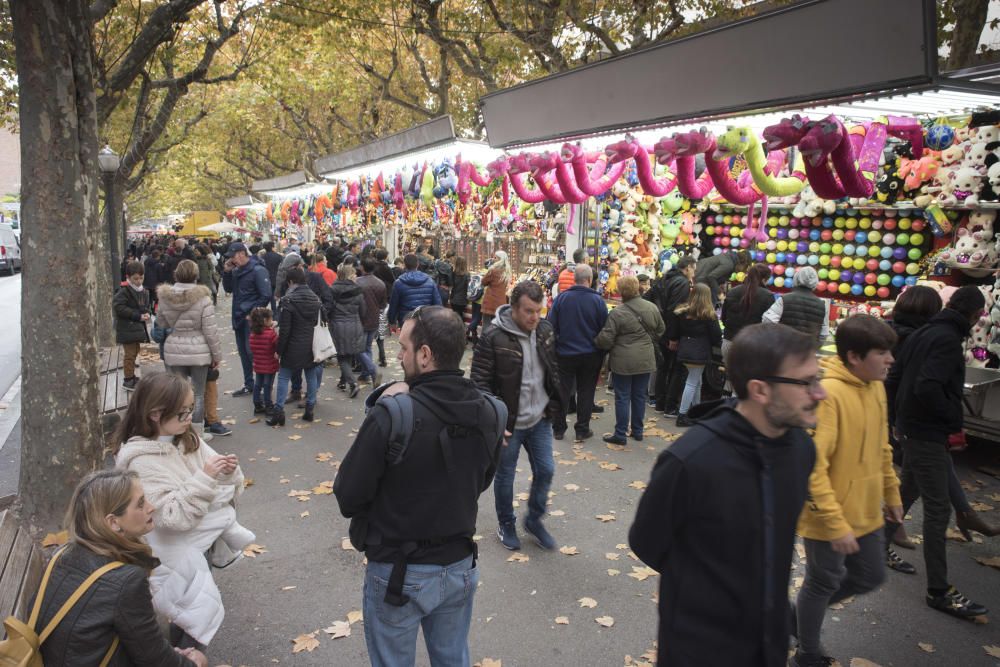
837,248
727,219
874,251
770,258
761,245
772,221
844,288
782,246
846,263
783,221
839,223
838,235
824,260
852,223
870,290
773,233
735,231
904,223
740,277
834,274
865,223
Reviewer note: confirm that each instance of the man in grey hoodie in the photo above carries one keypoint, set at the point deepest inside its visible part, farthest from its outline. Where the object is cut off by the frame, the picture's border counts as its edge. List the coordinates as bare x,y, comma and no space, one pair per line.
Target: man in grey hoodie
516,361
291,260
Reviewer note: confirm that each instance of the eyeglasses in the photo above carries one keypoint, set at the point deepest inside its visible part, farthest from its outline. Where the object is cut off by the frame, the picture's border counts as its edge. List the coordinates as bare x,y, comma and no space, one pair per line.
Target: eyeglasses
185,415
811,384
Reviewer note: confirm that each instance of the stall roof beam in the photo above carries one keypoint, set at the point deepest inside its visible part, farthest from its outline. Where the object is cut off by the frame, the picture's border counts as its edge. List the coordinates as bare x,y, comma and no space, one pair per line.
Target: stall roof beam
238,202
807,51
433,133
291,181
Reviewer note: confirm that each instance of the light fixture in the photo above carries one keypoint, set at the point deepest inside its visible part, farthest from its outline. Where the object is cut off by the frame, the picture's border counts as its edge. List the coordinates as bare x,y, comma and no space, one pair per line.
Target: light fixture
108,160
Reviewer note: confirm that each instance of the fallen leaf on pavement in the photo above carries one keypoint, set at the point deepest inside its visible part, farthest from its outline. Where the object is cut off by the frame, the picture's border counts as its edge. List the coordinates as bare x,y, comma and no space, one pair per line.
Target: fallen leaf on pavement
254,420
323,457
557,513
637,484
295,437
335,423
589,603
252,550
982,507
584,456
801,551
305,643
569,551
284,480
230,422
488,662
274,459
304,514
345,544
605,518
926,648
605,621
613,572
518,558
248,482
562,620
302,496
56,539
522,496
611,555
993,561
571,487
616,448
621,546
642,573
992,650
354,616
954,534
565,462
608,465
324,488
338,630
862,662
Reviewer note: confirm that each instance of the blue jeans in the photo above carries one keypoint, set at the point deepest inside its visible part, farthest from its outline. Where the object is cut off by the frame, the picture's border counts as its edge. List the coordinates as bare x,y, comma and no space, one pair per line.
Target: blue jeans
631,392
441,599
692,388
314,376
262,387
297,381
537,441
242,331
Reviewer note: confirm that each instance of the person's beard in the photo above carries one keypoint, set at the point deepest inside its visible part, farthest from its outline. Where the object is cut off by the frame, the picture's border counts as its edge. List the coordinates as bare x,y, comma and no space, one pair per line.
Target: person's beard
410,373
781,416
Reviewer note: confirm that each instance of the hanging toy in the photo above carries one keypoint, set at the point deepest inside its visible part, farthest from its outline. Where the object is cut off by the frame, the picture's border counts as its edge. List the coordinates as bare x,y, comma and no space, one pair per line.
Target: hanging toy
427,187
599,178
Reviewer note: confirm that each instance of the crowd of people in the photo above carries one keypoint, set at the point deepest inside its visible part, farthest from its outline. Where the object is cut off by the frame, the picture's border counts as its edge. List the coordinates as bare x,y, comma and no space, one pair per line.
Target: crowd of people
789,443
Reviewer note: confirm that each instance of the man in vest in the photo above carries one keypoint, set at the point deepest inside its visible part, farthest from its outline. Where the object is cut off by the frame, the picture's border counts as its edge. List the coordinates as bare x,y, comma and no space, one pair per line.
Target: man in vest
800,308
567,277
413,501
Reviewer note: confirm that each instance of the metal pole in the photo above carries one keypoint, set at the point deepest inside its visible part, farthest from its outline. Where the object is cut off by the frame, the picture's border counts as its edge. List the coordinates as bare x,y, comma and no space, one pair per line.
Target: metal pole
109,214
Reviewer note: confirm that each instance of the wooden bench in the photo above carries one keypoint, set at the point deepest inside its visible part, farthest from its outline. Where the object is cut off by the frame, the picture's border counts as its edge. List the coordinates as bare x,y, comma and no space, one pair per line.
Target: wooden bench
21,569
113,396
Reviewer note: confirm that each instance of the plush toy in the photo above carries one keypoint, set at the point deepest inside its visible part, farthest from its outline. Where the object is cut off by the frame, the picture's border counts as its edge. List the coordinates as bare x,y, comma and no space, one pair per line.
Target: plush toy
427,187
682,150
973,253
629,231
614,270
642,250
982,221
917,173
991,188
599,178
742,141
890,185
978,344
966,183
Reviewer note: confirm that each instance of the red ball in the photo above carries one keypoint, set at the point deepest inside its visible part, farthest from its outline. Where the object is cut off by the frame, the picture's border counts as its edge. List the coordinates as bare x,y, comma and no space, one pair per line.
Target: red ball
779,270
737,219
870,278
917,226
882,292
899,267
849,234
821,286
835,261
872,265
890,224
831,287
826,234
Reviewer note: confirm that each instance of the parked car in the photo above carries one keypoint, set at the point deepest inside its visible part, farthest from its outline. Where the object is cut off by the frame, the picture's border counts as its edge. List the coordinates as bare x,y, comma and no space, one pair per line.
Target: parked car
10,249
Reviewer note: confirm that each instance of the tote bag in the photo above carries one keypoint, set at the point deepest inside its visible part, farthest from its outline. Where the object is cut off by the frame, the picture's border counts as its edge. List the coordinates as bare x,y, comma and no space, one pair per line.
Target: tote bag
323,347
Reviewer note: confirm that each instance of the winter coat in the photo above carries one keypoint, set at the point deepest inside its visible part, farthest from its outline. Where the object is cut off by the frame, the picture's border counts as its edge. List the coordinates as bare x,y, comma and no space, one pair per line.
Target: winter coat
567,278
151,274
459,290
319,287
715,272
345,317
577,315
289,261
376,300
735,316
297,319
903,326
667,293
119,604
188,310
250,288
717,521
498,361
495,291
264,348
410,291
206,273
445,272
129,306
928,379
803,310
384,273
853,474
272,260
630,332
329,275
685,327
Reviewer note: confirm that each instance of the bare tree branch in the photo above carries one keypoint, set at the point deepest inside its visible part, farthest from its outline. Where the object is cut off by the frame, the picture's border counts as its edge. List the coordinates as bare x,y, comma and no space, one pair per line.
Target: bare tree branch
101,8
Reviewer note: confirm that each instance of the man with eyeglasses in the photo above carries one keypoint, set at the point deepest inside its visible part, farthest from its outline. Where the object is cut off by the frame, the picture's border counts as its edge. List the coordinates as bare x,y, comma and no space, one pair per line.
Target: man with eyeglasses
717,520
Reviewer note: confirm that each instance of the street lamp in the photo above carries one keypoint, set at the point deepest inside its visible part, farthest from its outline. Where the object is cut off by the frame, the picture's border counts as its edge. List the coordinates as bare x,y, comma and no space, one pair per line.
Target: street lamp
109,162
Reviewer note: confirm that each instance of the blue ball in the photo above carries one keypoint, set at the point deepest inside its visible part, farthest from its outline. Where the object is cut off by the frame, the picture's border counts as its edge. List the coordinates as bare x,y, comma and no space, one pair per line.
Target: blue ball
940,137
828,222
885,265
886,252
813,260
861,237
857,290
814,234
717,251
911,280
848,250
780,258
802,260
898,281
861,251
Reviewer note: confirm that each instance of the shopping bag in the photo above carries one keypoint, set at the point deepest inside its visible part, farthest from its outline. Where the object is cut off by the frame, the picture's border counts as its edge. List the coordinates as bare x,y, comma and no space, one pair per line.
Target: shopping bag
323,347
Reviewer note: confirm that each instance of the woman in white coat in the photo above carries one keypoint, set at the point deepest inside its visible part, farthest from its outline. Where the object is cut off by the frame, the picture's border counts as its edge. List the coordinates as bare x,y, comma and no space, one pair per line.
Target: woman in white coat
194,490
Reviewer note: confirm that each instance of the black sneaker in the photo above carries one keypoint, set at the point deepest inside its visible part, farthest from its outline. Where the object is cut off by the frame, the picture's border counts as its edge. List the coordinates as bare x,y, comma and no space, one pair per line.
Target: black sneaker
956,604
671,414
130,383
684,421
507,533
598,410
542,536
243,391
558,435
635,436
341,385
800,659
353,390
896,563
615,440
259,409
219,429
586,435
294,396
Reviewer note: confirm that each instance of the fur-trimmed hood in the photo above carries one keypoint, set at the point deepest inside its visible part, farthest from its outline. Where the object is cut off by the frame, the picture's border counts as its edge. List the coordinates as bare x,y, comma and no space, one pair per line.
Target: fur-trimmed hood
182,295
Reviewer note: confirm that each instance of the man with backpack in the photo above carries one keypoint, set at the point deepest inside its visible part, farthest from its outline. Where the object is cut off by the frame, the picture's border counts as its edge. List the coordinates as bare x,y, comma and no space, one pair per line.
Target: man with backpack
667,293
411,484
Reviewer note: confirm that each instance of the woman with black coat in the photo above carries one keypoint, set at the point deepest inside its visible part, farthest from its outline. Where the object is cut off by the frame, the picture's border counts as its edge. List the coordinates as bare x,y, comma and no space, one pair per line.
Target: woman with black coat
696,330
746,304
114,620
460,286
347,330
299,313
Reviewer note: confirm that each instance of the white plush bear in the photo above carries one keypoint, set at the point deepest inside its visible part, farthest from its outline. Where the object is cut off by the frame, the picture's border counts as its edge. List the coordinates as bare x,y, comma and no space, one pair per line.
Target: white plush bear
975,156
982,221
978,343
964,185
974,253
986,134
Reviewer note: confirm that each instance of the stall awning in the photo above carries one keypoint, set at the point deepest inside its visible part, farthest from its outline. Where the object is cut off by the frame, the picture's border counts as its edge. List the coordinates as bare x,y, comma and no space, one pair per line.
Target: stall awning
244,201
815,50
296,184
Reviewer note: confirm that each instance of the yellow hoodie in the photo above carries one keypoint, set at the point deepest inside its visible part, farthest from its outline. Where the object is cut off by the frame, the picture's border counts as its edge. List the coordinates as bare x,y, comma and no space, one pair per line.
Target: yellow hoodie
853,476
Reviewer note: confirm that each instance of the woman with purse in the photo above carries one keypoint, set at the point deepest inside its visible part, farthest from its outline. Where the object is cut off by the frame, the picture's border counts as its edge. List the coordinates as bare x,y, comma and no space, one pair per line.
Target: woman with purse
114,622
460,286
495,284
631,333
298,315
697,332
348,331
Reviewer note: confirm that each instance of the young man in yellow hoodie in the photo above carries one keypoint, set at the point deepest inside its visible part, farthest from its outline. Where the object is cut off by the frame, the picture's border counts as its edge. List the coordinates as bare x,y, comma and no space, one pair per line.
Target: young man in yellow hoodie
852,483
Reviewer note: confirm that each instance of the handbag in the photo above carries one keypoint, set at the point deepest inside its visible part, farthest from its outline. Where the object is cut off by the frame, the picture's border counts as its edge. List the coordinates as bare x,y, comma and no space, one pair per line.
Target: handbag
22,648
657,351
323,347
159,334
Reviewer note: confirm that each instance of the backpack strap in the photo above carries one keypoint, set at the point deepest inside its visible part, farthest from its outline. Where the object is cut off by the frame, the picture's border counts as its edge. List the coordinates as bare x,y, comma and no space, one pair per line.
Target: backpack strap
400,409
74,598
33,619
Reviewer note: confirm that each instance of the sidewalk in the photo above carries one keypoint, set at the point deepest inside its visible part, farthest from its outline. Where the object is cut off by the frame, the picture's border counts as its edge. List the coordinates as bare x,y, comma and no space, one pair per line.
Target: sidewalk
10,442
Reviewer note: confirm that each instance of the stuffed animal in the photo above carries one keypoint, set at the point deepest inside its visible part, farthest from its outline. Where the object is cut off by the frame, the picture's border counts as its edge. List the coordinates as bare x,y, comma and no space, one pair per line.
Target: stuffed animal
974,253
670,229
916,173
614,270
982,221
991,188
890,186
966,183
978,344
642,250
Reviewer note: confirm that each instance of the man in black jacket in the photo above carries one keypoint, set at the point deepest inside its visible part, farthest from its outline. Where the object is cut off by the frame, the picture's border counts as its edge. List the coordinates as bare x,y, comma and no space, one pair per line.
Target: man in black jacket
413,510
272,260
928,382
719,515
515,360
667,293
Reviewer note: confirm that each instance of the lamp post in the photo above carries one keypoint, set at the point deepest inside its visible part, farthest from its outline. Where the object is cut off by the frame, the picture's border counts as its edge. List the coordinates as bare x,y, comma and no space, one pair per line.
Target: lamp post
109,162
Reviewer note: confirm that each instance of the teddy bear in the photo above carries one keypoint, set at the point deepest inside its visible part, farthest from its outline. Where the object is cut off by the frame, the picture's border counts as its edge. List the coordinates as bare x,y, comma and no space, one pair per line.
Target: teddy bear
973,253
982,221
628,231
978,344
642,250
809,205
991,188
966,183
614,270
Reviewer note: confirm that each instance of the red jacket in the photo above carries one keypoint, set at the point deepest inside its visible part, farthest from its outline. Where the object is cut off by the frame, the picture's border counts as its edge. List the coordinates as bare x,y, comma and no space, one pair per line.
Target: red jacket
329,275
264,348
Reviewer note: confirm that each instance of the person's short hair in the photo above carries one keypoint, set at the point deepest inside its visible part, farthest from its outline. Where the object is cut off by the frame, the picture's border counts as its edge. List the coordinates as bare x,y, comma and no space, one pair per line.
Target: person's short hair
528,288
269,245
861,334
583,274
381,254
760,350
968,300
580,255
805,277
685,261
411,262
296,275
398,261
742,260
628,287
135,268
186,272
443,331
318,258
919,302
368,265
346,271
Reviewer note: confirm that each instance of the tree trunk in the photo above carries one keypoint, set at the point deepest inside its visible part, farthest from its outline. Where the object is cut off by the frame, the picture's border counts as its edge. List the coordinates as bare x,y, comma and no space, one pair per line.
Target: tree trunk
61,428
970,19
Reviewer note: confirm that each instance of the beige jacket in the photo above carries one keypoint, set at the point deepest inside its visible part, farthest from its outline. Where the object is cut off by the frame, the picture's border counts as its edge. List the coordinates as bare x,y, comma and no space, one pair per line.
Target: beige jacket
188,310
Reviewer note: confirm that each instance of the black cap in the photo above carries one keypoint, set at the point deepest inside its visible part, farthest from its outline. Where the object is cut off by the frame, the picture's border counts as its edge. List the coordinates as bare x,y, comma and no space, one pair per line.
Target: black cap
235,248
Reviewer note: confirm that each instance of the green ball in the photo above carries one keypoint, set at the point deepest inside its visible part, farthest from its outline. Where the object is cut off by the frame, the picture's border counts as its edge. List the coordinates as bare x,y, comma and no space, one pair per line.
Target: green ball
823,273
915,254
824,248
884,279
916,239
902,238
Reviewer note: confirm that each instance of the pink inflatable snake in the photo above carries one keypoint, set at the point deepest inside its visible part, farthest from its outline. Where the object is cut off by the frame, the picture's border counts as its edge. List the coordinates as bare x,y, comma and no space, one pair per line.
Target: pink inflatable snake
683,149
599,178
517,172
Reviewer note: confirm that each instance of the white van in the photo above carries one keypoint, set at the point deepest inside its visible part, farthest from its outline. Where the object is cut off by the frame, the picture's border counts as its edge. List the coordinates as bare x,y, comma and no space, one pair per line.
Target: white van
10,249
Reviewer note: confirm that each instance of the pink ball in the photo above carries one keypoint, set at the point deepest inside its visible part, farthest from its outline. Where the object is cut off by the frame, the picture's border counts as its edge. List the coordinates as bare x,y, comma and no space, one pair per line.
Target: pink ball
821,286
778,270
724,241
831,287
744,243
883,292
899,267
850,234
835,262
877,223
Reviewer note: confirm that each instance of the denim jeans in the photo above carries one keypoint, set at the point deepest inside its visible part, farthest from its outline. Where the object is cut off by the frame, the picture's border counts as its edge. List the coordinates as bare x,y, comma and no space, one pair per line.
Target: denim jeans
262,389
831,577
242,331
441,598
366,359
631,392
198,376
314,376
692,388
537,441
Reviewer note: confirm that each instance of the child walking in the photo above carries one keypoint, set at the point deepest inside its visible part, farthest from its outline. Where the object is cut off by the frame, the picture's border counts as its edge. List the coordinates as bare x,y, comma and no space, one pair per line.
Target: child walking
697,330
264,348
131,306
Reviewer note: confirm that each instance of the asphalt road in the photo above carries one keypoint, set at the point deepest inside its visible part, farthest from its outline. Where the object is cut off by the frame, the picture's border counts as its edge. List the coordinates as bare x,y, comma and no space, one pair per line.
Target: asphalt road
10,332
304,580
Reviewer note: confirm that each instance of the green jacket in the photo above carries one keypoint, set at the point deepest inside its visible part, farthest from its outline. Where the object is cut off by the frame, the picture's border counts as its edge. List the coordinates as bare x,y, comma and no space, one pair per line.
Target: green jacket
630,333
